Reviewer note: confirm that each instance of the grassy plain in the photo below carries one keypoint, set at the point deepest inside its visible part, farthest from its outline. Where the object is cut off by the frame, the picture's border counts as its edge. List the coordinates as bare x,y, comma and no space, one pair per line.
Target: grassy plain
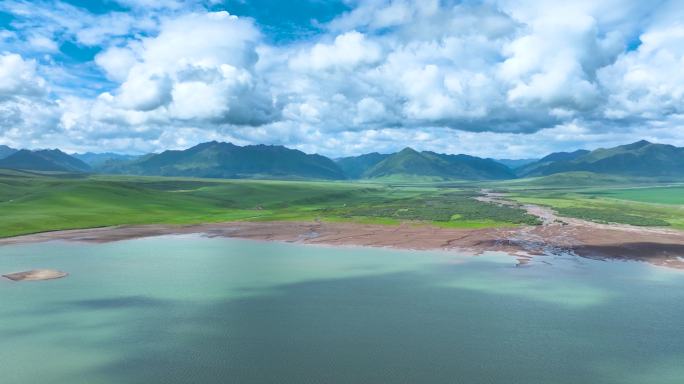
31,202
610,199
670,195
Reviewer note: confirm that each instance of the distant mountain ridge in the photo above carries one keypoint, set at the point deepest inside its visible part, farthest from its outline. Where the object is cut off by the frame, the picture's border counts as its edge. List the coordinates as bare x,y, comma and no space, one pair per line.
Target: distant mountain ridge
6,151
410,162
49,160
355,166
226,160
533,168
643,159
515,163
96,160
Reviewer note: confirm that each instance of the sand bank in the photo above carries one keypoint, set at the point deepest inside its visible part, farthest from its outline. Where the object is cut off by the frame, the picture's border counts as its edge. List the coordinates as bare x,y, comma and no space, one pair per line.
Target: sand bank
597,241
36,275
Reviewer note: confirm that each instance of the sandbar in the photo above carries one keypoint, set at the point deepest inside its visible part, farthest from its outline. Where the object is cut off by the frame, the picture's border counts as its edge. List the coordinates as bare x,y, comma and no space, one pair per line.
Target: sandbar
36,275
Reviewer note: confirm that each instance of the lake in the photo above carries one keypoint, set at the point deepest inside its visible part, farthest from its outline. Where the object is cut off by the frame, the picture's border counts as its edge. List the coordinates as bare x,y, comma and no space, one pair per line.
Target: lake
190,309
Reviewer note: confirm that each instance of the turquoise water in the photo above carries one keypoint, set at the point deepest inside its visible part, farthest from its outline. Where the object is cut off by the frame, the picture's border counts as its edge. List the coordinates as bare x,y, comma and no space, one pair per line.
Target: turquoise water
188,309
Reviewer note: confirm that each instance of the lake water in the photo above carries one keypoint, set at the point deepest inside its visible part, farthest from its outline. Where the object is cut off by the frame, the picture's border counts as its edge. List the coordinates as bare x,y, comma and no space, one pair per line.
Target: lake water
188,309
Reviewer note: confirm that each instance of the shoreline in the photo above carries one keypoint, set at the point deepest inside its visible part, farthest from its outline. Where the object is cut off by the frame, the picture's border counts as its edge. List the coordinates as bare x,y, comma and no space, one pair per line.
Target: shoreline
554,237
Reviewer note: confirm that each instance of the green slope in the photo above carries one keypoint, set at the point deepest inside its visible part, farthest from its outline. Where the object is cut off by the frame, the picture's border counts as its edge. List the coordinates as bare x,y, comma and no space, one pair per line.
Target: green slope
225,160
44,160
355,166
410,163
534,168
6,151
31,202
515,163
99,160
573,180
641,159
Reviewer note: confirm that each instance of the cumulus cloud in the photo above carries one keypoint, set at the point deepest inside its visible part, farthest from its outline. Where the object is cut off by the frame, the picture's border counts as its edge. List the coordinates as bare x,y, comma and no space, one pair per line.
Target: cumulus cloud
18,78
647,83
452,76
57,20
347,51
25,111
200,67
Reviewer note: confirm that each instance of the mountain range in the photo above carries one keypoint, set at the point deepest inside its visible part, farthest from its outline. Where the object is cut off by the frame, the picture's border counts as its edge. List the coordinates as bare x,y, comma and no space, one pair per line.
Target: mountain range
534,168
515,163
6,151
354,167
226,160
98,160
48,160
643,159
412,163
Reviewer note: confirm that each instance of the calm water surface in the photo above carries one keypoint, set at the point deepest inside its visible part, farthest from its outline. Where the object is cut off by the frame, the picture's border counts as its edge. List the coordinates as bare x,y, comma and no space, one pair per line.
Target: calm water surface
187,309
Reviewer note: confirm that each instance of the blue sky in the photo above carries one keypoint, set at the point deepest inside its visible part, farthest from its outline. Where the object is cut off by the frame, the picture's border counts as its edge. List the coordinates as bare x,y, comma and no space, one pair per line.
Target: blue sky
495,78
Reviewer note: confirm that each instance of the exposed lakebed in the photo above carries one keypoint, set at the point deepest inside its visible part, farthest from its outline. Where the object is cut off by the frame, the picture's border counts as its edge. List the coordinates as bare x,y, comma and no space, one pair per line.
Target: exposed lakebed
179,309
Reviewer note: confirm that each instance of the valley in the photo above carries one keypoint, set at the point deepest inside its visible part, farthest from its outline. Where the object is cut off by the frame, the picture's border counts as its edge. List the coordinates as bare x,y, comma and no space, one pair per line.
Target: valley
522,217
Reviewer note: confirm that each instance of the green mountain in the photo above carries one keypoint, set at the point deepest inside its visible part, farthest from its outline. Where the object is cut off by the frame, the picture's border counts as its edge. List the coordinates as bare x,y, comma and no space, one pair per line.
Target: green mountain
121,165
96,160
6,151
642,159
411,163
355,166
533,169
225,160
52,160
515,163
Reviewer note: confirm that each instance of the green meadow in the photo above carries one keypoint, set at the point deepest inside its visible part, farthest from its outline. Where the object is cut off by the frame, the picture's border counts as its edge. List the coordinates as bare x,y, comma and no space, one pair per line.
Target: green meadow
32,202
37,202
670,195
609,199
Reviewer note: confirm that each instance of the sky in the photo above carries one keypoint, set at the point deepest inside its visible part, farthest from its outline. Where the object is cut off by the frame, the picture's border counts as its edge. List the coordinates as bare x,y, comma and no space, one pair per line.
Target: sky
491,78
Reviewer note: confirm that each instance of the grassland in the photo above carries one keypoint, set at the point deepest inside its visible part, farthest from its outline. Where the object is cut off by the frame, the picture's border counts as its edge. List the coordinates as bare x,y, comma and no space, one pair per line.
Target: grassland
31,202
639,202
670,195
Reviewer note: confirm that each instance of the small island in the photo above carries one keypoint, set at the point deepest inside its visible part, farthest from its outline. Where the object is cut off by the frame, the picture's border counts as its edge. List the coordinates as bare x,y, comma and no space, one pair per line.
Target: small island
36,275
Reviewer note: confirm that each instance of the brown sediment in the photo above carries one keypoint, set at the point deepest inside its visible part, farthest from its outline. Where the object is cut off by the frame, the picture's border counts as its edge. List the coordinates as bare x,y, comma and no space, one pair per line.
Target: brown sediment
556,236
409,236
660,247
36,275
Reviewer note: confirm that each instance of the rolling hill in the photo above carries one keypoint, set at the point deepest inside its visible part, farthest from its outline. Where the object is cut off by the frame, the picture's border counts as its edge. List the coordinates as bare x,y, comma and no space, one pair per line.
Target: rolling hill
642,159
410,162
226,160
52,160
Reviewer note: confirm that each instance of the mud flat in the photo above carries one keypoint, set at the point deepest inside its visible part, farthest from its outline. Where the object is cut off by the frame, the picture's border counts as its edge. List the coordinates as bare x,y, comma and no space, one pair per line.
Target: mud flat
557,235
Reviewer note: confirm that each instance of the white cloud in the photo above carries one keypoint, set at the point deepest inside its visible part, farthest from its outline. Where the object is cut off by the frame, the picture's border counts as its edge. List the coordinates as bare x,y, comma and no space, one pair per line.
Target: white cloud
42,43
199,67
25,112
647,83
116,62
18,78
347,51
445,75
